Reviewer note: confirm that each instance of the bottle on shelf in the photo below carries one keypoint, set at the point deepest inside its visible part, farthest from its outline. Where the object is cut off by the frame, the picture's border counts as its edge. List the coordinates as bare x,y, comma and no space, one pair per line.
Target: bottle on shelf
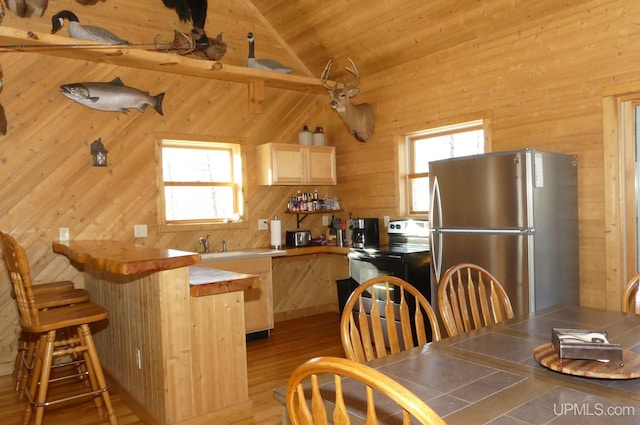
318,137
305,137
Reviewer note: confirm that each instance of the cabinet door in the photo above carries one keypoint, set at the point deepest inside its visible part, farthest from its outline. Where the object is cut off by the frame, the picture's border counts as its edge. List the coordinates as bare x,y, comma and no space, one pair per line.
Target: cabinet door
281,164
321,164
258,301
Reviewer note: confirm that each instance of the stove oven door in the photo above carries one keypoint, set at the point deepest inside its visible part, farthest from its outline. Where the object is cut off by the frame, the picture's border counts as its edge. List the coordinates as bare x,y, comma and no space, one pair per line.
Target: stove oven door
367,264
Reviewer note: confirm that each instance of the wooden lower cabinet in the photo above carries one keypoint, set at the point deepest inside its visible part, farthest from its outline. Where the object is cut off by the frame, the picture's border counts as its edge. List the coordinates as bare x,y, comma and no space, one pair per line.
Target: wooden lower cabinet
304,285
258,301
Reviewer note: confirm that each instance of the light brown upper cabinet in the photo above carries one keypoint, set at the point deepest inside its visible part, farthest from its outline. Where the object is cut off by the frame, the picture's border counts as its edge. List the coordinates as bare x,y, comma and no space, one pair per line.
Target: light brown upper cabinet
290,164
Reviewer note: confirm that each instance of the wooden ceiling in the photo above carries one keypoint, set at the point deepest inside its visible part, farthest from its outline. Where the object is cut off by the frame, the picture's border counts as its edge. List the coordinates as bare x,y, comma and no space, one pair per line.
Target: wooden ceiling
387,33
305,34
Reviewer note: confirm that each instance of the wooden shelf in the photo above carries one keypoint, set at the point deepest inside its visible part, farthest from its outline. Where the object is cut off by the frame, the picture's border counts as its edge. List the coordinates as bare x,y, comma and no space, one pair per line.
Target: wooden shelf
13,39
305,213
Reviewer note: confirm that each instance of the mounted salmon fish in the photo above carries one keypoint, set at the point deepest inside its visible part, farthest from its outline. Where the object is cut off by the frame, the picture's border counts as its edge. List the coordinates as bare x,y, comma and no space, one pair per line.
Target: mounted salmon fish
112,96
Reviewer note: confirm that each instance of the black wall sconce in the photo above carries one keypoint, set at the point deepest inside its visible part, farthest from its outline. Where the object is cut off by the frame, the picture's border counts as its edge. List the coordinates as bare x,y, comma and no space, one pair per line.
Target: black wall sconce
99,153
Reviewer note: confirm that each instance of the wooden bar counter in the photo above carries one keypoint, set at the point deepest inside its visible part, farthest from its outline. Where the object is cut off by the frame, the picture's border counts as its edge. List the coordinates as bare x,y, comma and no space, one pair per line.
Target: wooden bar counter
178,358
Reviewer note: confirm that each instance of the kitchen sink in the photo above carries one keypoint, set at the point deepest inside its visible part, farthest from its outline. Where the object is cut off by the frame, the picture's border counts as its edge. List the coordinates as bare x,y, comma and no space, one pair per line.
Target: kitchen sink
209,257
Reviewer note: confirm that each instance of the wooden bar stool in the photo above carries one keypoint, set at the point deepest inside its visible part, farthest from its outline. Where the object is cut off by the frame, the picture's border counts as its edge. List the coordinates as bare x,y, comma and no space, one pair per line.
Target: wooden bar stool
44,300
45,324
47,295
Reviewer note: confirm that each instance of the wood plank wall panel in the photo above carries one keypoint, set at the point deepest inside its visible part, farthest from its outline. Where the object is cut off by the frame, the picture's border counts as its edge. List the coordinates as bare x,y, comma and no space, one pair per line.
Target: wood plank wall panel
141,330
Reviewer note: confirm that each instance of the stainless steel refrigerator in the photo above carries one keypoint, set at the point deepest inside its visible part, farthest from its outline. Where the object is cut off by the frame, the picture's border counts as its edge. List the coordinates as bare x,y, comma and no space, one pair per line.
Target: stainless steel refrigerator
514,213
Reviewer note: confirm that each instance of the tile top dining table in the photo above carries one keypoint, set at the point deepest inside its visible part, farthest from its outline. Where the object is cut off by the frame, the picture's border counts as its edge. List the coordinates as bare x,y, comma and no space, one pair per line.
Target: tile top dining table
490,376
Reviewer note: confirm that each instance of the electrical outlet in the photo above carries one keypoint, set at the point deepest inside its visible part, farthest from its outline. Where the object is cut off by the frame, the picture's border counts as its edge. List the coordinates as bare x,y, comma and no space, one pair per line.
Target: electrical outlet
325,220
263,224
138,358
140,230
63,234
386,220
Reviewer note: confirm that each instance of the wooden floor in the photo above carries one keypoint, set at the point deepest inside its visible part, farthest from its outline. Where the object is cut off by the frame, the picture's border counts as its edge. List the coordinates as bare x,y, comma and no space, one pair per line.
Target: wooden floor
270,362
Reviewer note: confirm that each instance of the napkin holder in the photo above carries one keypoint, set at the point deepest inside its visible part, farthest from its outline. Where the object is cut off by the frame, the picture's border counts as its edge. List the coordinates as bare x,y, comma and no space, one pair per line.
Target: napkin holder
583,350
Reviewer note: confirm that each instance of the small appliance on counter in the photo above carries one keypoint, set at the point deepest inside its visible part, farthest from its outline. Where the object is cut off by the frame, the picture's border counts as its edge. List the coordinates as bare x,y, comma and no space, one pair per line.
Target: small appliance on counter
276,233
297,238
366,232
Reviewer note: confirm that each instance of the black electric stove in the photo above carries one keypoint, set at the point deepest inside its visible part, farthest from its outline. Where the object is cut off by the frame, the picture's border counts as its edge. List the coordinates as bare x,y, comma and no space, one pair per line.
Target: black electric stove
406,256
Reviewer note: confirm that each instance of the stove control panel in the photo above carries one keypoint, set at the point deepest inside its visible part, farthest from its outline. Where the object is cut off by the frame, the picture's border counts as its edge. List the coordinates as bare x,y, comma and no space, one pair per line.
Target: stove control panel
409,227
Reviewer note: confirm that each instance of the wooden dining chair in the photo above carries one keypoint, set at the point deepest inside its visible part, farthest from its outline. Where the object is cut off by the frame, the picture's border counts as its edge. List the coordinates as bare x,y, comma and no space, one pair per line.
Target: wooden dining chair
629,295
371,330
469,297
72,321
373,384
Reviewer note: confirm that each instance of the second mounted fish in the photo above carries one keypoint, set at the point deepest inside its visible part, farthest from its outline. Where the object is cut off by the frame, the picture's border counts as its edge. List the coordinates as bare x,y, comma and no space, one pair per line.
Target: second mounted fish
112,96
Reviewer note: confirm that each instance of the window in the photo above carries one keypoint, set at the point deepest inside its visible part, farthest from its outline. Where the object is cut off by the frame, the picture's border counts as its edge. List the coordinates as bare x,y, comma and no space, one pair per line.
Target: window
200,182
432,145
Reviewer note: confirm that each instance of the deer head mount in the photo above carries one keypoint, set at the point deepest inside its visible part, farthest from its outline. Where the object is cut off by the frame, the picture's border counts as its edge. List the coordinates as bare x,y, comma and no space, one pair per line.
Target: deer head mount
358,117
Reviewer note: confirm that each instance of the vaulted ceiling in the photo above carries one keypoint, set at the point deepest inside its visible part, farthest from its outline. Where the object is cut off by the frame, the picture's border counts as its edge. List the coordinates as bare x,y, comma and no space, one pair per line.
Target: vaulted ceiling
305,34
382,34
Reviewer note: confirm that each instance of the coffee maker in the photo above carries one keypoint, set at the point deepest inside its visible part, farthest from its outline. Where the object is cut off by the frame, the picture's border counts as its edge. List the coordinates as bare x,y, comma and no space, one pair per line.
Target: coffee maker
366,233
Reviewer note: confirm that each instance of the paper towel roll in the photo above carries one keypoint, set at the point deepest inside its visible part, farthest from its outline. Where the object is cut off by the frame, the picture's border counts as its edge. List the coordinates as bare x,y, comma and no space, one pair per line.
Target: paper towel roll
276,234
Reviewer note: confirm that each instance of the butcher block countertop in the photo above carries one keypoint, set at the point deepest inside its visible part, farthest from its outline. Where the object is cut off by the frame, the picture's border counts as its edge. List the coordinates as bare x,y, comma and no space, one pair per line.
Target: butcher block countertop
124,258
128,259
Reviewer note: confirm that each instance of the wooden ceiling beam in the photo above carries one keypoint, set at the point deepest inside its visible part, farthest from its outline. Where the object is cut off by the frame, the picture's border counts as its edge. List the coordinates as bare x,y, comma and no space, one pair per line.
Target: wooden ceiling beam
15,40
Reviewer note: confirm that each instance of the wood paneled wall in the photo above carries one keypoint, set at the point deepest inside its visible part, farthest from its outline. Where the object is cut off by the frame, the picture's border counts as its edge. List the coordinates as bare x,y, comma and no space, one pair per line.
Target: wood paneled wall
541,86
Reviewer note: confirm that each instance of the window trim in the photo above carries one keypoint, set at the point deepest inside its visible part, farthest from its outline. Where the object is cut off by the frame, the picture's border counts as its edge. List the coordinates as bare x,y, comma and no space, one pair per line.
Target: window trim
406,163
240,198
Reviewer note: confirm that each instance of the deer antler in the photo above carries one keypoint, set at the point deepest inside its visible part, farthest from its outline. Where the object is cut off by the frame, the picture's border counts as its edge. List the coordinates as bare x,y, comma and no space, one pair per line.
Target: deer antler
355,72
325,76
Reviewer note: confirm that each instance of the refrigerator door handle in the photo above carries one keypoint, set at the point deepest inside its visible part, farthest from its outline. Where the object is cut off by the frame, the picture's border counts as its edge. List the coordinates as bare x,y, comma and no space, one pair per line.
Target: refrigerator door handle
436,223
523,231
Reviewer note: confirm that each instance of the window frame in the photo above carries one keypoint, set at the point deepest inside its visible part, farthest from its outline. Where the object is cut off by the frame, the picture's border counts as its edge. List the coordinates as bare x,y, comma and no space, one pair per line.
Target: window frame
408,166
238,167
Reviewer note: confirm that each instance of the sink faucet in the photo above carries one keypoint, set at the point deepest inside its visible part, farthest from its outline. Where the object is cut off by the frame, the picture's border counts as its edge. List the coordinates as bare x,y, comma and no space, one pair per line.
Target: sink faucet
205,243
224,246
